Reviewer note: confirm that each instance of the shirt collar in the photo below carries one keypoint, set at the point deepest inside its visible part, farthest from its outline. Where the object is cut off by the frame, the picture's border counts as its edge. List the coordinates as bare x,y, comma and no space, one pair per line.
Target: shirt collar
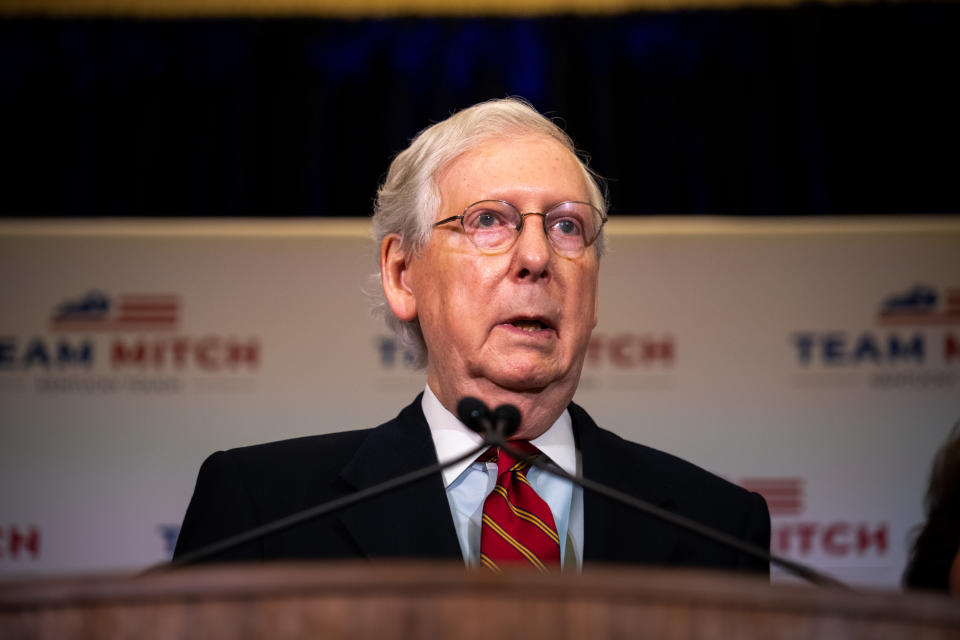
452,439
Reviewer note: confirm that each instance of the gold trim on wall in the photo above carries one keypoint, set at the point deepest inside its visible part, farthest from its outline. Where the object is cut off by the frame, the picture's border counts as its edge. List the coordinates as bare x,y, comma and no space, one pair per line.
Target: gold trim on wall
619,225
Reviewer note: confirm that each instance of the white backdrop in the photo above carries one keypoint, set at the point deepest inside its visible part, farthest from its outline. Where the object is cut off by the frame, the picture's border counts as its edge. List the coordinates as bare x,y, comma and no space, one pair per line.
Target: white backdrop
815,361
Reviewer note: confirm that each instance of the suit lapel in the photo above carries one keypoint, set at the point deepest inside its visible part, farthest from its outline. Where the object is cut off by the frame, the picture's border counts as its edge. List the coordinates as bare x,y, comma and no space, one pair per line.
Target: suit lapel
614,532
411,521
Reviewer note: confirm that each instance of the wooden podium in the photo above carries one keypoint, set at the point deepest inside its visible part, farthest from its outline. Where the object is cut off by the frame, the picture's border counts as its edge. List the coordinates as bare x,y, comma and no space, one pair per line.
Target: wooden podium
425,601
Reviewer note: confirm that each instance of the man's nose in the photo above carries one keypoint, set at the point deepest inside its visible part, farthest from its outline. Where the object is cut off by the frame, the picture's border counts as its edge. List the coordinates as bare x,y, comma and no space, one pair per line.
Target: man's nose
533,250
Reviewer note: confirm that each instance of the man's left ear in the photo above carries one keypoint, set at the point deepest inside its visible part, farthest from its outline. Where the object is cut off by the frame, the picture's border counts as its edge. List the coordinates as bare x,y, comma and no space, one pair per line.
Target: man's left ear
394,275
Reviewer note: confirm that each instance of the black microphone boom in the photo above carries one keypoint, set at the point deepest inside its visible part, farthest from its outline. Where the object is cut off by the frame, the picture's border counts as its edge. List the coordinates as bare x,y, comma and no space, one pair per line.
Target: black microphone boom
506,420
317,511
472,412
678,520
496,428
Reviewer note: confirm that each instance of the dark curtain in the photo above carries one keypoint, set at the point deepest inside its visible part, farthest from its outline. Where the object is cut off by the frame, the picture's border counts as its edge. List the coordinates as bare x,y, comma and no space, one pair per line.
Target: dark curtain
802,111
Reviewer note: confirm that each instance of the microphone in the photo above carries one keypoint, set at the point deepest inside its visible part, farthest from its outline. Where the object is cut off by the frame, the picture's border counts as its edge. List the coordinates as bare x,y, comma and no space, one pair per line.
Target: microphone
508,421
494,426
476,415
509,414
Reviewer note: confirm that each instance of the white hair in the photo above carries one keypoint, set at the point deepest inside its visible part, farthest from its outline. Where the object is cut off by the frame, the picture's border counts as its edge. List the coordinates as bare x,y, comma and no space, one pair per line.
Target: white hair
409,199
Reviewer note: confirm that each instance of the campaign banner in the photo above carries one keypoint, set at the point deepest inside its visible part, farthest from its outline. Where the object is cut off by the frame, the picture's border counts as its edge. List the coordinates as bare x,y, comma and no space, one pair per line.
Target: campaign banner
816,362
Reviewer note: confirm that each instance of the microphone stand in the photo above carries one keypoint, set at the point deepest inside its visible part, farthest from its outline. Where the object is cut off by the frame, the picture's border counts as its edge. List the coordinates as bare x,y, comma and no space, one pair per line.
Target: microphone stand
673,518
495,428
312,512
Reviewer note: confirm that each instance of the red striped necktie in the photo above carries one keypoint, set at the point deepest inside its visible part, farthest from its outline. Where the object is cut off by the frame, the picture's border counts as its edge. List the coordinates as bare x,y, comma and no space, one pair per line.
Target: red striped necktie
518,527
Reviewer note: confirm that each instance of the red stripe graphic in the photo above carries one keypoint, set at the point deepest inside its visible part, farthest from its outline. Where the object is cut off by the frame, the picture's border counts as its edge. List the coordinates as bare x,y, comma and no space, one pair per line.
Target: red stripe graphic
784,496
157,319
775,492
140,309
165,301
142,306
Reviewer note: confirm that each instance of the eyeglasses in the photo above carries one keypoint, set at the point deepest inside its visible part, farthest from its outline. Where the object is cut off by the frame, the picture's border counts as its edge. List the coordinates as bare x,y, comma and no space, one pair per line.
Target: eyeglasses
494,225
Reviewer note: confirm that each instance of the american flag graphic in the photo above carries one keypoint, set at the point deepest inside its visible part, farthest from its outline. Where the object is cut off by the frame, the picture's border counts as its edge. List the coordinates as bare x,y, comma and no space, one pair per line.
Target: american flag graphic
127,312
784,496
918,306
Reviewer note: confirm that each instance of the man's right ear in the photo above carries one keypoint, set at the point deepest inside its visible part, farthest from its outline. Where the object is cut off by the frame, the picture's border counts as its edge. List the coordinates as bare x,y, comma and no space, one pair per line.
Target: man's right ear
395,277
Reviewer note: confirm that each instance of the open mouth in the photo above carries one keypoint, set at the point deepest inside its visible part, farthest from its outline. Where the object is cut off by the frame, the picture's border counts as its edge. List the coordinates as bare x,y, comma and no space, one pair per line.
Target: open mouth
531,325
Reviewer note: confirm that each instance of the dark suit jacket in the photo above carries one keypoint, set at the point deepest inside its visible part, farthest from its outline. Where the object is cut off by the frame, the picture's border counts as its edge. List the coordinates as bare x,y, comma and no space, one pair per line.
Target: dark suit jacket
242,488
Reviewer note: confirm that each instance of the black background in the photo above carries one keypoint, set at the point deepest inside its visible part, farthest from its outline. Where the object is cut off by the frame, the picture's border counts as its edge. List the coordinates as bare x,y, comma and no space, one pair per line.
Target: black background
803,111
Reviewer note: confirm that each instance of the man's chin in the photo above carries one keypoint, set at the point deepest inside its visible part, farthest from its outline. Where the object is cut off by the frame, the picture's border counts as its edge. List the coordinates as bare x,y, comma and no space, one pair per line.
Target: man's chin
520,379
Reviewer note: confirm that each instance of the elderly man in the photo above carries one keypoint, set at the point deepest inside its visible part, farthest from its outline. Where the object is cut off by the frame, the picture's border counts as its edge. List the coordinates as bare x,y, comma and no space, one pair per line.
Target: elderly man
490,234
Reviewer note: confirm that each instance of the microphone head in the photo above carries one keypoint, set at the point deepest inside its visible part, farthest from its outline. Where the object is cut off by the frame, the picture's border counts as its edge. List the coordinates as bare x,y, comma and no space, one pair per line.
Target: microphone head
507,418
475,414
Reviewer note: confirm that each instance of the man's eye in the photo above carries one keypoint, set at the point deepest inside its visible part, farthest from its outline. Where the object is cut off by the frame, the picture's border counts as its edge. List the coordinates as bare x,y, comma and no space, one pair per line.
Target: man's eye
566,227
485,220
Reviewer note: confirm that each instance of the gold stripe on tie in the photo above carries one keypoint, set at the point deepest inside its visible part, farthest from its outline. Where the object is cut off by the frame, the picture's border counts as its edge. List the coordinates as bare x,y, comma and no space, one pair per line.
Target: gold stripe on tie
522,477
529,555
523,514
490,564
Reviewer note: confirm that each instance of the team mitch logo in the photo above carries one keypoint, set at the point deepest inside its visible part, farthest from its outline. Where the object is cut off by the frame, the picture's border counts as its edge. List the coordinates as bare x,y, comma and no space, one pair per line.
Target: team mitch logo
919,305
799,537
95,311
910,337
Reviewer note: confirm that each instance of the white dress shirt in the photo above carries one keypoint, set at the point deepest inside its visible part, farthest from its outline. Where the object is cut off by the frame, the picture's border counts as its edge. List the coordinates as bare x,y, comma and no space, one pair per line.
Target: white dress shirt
468,483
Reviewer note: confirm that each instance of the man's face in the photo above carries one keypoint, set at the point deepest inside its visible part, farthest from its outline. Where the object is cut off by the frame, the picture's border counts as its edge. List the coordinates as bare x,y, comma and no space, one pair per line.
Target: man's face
520,319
